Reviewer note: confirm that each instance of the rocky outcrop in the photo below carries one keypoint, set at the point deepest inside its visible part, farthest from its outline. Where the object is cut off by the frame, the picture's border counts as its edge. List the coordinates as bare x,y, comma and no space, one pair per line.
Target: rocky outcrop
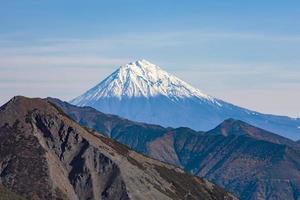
246,160
46,155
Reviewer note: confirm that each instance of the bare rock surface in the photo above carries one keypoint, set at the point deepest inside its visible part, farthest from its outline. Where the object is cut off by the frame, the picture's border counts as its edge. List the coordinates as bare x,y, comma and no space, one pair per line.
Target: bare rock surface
46,155
250,162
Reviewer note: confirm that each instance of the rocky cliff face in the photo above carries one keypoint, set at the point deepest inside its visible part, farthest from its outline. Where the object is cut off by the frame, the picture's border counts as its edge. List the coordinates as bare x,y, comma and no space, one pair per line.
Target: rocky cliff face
251,162
46,155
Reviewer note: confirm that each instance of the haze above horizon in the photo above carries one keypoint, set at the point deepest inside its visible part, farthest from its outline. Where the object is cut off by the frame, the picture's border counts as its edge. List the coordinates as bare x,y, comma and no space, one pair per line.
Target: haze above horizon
246,53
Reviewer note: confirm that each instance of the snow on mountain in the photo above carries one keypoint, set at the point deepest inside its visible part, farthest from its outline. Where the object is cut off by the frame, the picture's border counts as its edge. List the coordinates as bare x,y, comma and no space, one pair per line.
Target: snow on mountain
142,79
144,92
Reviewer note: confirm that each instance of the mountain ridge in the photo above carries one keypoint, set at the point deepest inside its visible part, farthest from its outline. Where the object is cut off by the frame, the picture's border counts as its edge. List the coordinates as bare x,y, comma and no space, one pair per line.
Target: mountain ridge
248,161
47,155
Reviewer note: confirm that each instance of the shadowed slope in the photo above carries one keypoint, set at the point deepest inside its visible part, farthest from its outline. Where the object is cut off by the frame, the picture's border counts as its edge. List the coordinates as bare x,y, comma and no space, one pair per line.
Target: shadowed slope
46,155
251,162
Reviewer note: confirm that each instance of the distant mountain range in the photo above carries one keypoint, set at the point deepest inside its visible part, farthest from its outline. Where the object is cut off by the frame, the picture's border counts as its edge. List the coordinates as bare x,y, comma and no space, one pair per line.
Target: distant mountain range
51,149
142,91
251,162
45,155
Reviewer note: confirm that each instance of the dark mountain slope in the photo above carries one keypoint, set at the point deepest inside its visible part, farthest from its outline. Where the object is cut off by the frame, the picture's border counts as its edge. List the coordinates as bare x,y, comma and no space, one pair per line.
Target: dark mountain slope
46,155
253,169
251,162
238,127
134,134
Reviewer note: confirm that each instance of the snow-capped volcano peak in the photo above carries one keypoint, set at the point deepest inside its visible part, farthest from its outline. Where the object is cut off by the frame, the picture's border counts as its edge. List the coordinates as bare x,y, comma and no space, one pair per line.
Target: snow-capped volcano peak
141,79
139,65
144,92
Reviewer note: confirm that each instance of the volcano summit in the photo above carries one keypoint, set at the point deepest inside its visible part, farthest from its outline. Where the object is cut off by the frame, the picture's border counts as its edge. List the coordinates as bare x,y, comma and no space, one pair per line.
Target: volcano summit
144,92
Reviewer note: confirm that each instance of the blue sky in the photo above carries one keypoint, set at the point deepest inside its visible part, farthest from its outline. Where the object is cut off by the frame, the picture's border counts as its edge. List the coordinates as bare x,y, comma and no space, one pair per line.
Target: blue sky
247,53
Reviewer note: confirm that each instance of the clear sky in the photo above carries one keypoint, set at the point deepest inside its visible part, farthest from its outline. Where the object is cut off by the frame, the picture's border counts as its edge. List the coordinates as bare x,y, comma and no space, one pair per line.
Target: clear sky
247,53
